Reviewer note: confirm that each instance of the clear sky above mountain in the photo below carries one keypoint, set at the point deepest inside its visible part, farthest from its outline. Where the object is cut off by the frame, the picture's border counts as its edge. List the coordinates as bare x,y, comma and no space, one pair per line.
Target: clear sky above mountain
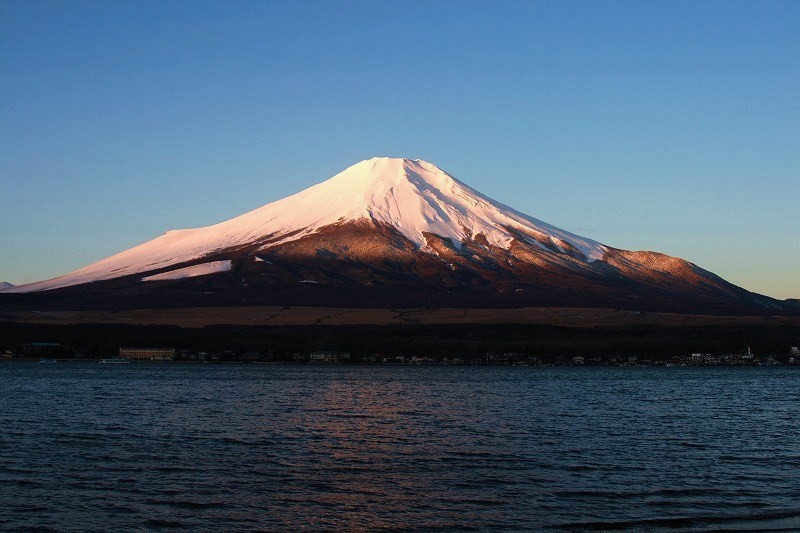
667,126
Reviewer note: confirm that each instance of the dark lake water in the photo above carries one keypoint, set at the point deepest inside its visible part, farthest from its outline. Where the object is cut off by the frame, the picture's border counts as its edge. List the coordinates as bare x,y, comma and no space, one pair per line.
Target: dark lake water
85,446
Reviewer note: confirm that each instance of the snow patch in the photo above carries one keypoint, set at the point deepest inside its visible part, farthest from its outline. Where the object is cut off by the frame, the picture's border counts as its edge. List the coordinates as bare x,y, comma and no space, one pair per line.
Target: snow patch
202,269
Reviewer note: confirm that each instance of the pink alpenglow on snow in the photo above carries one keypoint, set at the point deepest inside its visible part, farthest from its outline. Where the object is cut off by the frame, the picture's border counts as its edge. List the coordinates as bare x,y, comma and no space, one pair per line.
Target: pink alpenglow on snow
203,269
412,196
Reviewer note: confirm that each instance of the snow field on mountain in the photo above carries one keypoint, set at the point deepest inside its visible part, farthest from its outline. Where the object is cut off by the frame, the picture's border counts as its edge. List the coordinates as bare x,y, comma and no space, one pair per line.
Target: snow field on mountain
203,269
413,196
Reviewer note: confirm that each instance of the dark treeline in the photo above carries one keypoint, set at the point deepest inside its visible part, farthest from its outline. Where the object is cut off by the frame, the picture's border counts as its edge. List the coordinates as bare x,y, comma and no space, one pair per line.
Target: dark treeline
657,342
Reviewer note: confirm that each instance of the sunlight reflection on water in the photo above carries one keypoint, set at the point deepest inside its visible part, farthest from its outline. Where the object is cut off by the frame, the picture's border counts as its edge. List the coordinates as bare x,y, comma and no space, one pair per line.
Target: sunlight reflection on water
85,446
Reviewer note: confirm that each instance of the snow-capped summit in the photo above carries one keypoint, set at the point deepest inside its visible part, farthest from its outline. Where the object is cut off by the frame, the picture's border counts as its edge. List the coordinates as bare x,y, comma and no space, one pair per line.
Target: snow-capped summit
413,196
5,285
396,231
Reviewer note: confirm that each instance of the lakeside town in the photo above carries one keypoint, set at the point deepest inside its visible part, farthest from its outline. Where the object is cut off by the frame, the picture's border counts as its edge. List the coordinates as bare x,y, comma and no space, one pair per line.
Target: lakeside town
54,352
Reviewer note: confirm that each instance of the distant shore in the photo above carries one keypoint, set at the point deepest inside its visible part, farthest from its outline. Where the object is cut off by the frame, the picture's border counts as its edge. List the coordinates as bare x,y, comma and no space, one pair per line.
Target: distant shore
684,362
198,317
531,336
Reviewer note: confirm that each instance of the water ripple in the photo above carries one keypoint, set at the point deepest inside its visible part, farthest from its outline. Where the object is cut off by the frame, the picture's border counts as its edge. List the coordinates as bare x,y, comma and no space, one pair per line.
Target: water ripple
160,447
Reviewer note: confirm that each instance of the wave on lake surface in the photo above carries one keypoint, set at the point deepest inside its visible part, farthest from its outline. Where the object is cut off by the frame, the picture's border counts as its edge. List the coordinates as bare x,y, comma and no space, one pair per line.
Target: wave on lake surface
281,447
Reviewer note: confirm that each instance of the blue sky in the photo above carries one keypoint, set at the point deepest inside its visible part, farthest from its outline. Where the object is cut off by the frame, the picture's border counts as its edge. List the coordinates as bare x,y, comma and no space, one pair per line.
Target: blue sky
669,126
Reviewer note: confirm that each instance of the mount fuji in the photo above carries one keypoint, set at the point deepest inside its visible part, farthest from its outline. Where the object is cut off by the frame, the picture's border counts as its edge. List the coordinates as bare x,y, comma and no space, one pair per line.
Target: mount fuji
391,233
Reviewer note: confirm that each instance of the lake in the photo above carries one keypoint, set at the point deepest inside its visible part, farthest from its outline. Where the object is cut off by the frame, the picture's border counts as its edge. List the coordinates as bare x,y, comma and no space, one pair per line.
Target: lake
85,446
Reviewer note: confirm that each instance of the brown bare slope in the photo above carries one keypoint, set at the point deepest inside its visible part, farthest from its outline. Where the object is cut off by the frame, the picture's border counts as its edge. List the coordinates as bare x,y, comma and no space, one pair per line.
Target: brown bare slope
369,265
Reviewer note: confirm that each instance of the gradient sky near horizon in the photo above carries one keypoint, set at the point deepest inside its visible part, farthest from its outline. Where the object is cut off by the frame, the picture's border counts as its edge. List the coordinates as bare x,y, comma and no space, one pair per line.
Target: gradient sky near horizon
667,126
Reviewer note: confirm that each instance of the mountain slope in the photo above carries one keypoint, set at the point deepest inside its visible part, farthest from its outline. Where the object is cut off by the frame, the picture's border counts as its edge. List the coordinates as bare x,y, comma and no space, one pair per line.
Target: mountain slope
414,197
398,230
